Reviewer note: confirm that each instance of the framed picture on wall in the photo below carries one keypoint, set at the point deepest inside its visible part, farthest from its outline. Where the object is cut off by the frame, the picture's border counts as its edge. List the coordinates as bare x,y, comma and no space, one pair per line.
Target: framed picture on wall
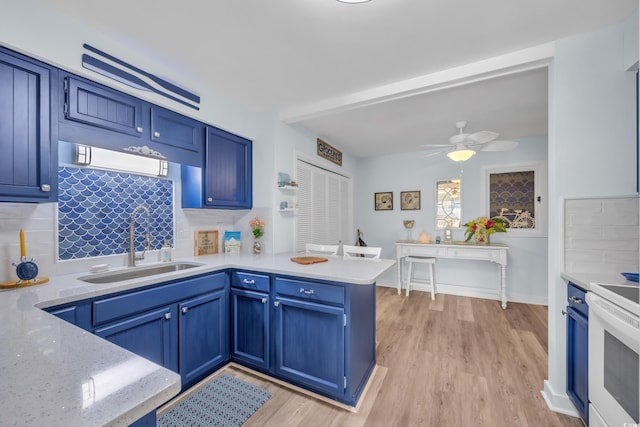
206,242
409,200
517,194
383,201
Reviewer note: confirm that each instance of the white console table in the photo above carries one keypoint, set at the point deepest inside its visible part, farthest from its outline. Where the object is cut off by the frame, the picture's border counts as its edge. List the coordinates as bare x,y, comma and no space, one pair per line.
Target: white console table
496,252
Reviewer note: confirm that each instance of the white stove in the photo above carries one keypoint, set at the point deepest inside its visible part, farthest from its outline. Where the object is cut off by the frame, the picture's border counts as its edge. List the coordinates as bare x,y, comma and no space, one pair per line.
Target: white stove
614,354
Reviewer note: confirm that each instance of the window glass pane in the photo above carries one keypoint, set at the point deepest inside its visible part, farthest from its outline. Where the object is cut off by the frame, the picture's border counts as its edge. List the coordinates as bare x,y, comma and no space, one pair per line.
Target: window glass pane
448,203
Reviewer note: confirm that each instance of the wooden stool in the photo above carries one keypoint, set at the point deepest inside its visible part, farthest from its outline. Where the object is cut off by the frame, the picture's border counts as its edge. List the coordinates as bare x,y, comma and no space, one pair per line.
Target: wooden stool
421,260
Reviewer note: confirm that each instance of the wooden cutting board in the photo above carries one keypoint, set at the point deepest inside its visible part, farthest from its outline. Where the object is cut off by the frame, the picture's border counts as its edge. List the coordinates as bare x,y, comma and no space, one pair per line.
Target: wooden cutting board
308,259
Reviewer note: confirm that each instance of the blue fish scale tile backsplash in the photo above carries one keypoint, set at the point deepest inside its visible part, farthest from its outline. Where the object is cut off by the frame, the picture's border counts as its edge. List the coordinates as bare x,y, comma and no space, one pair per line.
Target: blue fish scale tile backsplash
95,207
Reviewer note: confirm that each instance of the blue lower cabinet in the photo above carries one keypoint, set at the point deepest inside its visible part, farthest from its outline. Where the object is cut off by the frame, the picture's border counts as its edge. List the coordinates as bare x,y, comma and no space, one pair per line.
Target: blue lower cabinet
310,345
250,327
577,350
148,335
204,336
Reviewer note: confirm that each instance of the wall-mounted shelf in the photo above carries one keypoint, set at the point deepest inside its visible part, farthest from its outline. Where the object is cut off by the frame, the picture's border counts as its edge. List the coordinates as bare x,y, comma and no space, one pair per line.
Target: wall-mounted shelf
288,188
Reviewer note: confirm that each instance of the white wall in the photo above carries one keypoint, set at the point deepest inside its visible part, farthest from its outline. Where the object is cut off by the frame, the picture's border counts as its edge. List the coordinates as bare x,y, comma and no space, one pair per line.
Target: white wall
592,152
526,273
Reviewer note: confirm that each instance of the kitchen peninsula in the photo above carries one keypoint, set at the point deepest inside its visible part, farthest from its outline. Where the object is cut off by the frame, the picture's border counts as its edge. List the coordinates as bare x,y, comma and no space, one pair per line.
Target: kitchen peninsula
58,374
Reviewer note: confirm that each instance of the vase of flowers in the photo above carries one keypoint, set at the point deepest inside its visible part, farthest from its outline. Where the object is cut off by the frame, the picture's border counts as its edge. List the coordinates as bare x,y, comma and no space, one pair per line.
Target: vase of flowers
481,228
257,228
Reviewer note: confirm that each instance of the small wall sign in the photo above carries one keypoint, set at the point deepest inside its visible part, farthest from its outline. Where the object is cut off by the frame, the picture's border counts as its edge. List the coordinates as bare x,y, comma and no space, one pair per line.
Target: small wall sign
328,152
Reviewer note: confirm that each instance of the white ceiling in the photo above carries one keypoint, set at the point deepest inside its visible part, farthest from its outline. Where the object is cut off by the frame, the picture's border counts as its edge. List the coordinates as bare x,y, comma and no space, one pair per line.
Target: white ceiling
338,68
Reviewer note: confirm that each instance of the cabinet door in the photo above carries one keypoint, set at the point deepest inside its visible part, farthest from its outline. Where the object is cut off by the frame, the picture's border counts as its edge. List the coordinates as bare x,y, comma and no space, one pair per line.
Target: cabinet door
250,327
204,335
176,130
310,345
577,361
148,335
97,106
228,180
26,163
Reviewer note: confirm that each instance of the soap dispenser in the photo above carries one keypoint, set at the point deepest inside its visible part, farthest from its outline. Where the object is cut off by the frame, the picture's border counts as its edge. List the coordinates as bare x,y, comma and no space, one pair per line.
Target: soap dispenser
165,252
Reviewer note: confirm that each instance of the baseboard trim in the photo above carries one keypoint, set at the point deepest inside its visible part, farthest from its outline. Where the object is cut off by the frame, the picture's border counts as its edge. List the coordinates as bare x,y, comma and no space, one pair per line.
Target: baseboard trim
558,402
467,291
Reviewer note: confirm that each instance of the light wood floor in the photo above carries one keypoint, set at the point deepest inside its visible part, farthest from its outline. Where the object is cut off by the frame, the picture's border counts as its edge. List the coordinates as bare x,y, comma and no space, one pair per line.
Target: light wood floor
455,361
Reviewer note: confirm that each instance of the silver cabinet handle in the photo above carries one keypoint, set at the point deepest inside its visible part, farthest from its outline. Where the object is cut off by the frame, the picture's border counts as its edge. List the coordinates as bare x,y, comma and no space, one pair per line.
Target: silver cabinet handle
139,129
45,187
156,134
576,300
209,199
264,301
564,313
249,282
309,292
167,316
276,303
184,310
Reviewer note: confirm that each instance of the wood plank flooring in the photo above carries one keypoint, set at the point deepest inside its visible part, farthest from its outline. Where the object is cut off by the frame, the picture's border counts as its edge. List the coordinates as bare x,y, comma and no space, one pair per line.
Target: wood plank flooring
455,361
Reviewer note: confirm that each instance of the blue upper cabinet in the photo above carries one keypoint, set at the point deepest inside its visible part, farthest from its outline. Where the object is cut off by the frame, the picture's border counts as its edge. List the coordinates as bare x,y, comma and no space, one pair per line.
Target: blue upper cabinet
94,114
177,131
96,106
28,157
228,163
226,180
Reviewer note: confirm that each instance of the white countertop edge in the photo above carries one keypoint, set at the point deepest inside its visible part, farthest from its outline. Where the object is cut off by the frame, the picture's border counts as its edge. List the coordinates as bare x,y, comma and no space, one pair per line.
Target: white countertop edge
585,280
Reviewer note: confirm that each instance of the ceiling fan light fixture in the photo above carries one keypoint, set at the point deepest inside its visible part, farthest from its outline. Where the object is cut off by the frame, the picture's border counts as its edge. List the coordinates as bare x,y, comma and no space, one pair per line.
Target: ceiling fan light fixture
461,155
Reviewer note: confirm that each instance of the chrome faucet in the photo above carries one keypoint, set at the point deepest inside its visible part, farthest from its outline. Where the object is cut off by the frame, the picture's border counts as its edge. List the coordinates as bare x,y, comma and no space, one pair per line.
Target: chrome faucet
132,234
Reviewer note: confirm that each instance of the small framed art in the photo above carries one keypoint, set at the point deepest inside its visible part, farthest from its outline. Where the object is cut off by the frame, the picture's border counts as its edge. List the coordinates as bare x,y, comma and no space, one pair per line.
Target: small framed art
384,201
206,242
409,200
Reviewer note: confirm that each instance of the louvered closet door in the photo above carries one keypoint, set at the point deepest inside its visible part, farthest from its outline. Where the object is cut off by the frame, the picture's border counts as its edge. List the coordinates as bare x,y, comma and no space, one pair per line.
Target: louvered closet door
324,213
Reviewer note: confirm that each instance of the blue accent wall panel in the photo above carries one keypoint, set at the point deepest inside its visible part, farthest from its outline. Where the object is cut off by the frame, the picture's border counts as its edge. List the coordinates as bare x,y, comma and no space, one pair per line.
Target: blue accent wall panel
95,207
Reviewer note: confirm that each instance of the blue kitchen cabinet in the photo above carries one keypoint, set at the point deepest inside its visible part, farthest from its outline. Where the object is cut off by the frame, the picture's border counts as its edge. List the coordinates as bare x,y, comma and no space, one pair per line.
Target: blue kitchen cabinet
182,325
577,350
100,116
95,105
28,170
250,320
183,133
310,335
204,335
226,180
149,335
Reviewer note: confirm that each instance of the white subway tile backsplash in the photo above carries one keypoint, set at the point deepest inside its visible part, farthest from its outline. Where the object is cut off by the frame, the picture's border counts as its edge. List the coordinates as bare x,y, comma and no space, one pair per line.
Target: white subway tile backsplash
583,206
601,235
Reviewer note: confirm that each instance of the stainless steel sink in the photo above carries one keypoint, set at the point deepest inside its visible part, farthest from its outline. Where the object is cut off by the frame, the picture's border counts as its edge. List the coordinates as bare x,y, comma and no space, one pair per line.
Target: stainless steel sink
138,272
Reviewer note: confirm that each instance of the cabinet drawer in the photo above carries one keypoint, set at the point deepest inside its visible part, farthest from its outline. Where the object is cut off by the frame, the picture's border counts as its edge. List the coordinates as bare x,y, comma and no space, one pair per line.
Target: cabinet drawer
254,282
319,292
576,298
488,254
423,251
124,305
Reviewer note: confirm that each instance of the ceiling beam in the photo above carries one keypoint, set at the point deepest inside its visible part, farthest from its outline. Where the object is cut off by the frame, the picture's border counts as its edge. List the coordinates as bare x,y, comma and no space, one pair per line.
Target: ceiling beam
516,62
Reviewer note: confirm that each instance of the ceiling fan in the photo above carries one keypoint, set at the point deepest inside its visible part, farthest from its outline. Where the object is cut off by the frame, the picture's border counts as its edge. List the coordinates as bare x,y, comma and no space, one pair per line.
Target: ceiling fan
465,145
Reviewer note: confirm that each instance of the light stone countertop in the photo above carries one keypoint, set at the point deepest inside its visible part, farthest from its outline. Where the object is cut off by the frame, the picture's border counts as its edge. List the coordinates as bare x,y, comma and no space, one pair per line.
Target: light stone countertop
585,280
56,374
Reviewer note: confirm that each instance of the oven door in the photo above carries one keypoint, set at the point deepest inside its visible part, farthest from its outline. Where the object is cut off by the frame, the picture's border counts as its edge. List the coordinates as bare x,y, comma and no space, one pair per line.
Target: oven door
614,363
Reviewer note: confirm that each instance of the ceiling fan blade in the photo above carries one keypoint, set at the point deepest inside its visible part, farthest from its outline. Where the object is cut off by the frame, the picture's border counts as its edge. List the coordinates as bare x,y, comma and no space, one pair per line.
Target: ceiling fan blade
433,153
429,146
458,138
482,137
500,146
